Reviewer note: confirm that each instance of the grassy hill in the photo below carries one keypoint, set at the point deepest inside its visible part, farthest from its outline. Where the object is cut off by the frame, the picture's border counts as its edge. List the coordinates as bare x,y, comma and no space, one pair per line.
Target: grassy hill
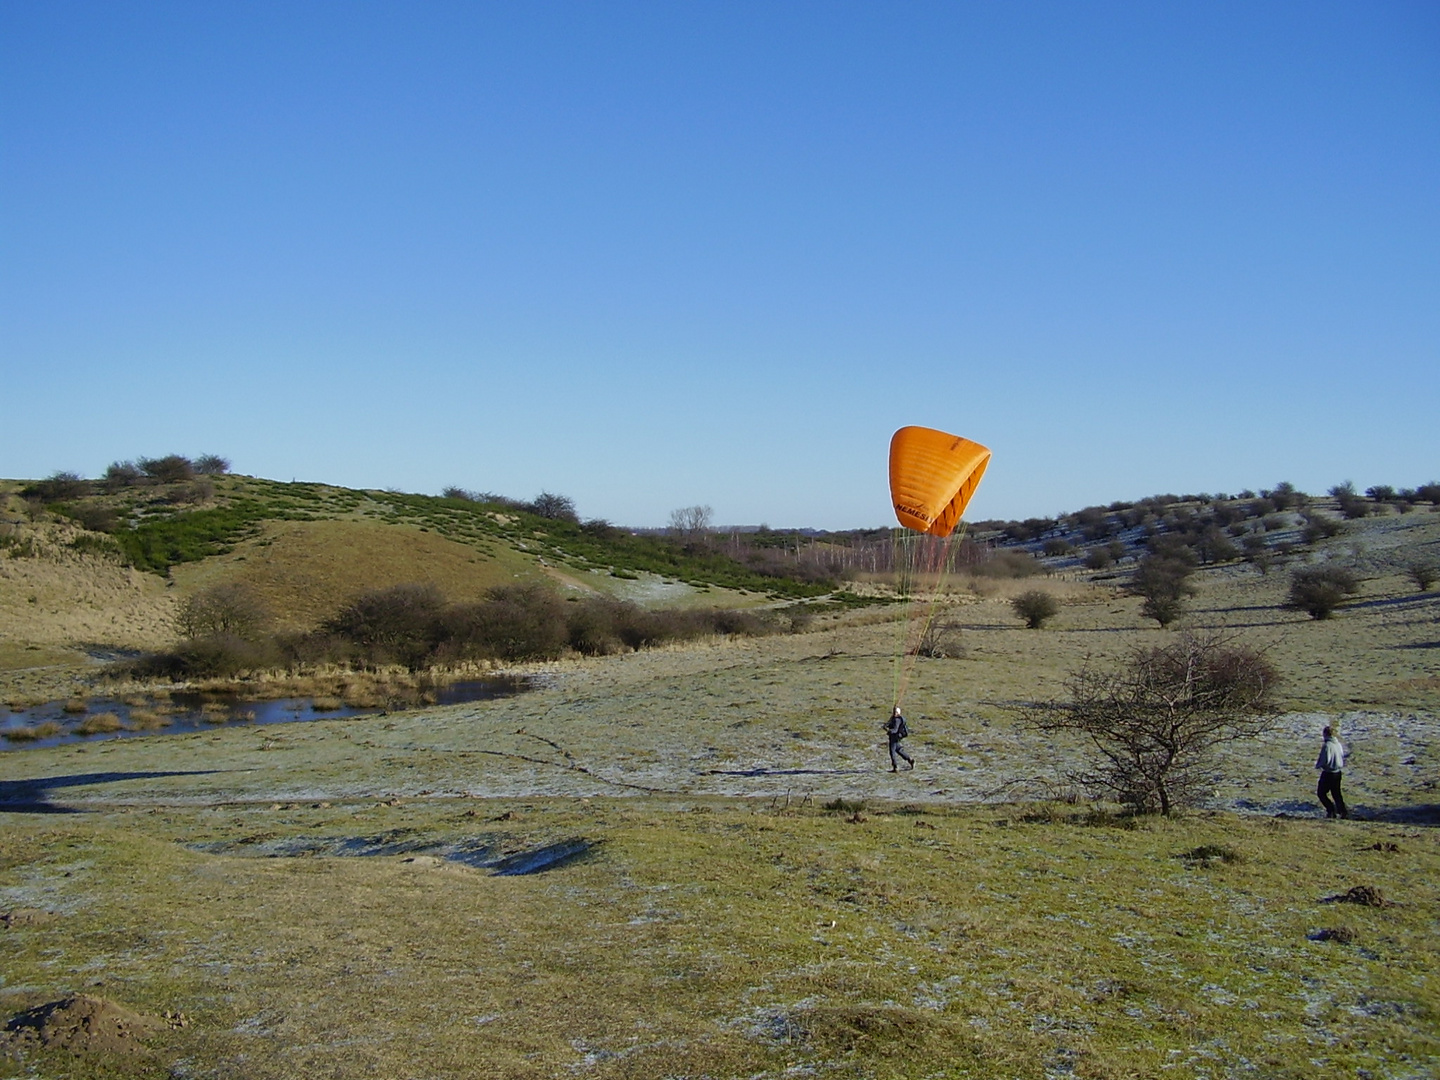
86,571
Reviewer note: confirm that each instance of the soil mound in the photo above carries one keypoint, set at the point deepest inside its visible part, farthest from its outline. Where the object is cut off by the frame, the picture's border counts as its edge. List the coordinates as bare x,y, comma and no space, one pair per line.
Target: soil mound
26,917
80,1023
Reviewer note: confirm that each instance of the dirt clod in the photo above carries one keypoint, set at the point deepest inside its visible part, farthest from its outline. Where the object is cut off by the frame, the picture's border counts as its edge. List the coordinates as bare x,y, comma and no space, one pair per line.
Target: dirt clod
26,917
83,1024
1364,895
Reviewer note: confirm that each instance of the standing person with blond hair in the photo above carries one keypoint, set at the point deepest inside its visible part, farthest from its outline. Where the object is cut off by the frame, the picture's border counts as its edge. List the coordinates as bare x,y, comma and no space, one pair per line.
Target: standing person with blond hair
1331,764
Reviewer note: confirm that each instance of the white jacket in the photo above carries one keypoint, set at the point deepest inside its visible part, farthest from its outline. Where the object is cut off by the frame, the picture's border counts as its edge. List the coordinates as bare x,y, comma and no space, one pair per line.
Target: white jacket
1332,756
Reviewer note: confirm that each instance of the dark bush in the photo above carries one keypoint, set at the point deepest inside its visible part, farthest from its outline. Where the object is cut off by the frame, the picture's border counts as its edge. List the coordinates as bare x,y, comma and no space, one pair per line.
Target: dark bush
1098,558
59,487
1009,564
1319,590
401,623
171,469
212,465
1029,529
1423,574
1257,552
1354,507
1429,492
1057,546
594,625
601,529
513,622
212,656
1163,580
198,491
95,516
1262,507
558,507
1212,546
1286,496
121,475
1035,606
1319,527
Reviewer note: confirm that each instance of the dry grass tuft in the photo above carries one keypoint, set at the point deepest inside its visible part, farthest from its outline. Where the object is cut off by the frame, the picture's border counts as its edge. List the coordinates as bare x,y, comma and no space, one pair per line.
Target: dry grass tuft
101,723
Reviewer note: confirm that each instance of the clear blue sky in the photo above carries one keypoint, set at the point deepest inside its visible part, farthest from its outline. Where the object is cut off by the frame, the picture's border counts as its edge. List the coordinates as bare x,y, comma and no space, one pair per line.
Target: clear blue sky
651,255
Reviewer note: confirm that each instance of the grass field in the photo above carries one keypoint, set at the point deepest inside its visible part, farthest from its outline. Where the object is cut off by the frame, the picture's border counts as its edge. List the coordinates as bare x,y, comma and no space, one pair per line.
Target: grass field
759,896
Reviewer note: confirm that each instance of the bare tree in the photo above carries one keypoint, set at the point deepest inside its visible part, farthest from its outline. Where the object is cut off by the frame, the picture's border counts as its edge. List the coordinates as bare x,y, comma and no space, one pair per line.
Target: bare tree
691,522
1153,721
231,609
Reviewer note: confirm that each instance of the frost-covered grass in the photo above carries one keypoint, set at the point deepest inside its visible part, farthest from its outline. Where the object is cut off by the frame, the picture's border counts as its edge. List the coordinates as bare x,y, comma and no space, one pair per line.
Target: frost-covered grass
731,939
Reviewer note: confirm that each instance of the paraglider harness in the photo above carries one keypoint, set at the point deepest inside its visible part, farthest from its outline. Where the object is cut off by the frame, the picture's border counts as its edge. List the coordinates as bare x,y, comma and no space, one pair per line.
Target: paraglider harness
897,728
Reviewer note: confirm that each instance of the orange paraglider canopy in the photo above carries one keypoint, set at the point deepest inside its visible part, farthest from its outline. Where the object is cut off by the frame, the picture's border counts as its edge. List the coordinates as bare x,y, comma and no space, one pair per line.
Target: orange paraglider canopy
932,476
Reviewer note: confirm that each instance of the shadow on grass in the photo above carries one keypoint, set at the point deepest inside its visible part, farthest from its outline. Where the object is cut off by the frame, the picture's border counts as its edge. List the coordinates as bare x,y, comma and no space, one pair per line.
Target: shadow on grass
1412,601
786,772
1419,814
33,796
1418,645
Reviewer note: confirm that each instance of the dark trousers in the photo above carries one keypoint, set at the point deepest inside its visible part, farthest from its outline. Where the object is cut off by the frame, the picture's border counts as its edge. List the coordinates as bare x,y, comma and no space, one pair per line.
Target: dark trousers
1330,785
896,748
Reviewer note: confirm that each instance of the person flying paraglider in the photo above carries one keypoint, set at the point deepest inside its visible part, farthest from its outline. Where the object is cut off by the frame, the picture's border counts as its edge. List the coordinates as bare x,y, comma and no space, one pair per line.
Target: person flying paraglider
896,729
933,475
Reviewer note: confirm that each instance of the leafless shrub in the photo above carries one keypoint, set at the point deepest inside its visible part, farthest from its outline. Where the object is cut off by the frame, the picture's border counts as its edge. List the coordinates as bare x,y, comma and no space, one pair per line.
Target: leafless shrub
59,487
121,475
232,608
1153,721
171,469
197,491
1423,574
941,640
690,522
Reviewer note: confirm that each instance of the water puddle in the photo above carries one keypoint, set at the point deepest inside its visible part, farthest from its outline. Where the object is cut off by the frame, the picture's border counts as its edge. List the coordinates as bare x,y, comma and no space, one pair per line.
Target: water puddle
491,853
58,722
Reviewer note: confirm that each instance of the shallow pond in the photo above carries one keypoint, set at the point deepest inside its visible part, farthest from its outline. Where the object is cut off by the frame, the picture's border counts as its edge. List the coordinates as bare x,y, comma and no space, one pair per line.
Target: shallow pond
58,722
